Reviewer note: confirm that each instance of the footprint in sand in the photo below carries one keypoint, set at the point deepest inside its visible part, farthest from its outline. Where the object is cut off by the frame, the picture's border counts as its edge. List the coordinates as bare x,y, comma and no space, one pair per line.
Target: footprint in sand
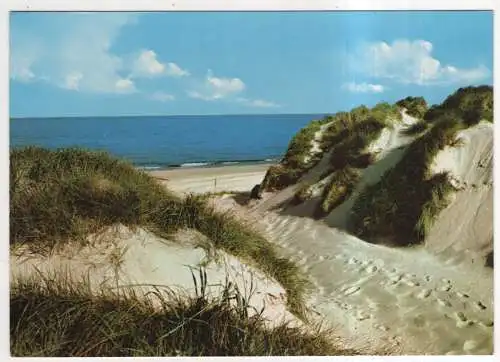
396,279
462,320
412,283
479,305
425,293
443,303
487,323
462,295
445,288
362,315
371,269
470,345
381,327
353,261
351,291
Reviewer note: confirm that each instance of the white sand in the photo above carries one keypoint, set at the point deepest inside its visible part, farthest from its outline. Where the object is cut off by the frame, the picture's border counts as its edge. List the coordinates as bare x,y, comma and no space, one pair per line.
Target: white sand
212,179
471,166
315,142
149,261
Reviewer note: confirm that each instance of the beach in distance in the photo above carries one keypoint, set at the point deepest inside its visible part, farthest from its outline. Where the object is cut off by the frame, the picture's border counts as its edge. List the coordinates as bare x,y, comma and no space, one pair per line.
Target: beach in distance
240,178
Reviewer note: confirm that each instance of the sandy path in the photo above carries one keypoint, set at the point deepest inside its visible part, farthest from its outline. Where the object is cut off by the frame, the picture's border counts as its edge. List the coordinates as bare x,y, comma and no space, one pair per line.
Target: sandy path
422,303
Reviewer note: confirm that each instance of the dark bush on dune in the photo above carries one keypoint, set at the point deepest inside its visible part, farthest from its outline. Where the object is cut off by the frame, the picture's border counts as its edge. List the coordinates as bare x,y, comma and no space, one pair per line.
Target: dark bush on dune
470,104
415,106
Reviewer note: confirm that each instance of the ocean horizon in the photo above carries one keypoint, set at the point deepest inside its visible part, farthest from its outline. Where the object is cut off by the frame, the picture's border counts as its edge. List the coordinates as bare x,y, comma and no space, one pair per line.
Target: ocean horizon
163,142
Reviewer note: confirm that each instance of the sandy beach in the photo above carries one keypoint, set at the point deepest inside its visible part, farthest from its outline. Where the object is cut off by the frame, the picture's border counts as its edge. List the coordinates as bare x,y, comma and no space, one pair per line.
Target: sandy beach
409,300
212,179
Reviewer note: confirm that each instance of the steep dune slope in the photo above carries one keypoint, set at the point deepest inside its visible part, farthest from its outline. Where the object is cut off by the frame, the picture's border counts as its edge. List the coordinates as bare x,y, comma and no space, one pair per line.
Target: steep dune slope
466,224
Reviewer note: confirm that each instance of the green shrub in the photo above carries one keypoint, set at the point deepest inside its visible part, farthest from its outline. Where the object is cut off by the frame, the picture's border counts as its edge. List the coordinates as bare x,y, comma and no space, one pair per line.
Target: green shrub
280,176
415,106
303,194
297,160
341,186
416,128
470,104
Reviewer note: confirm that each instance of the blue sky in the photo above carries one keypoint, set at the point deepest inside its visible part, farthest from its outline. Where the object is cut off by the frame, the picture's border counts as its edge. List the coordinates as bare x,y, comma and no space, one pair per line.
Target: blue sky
84,64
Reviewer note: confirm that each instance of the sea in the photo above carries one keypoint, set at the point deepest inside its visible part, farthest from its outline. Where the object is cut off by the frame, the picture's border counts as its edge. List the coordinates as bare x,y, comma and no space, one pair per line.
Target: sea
162,142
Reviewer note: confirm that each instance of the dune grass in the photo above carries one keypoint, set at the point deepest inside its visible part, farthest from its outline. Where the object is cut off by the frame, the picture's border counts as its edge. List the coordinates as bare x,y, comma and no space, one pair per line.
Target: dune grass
417,128
67,194
61,318
415,106
341,186
360,126
303,194
470,104
402,206
349,155
297,160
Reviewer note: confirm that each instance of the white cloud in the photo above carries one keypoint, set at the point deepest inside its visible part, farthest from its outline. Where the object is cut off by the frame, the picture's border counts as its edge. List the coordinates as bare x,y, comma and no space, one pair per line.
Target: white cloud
363,87
125,86
162,97
72,80
148,65
174,70
22,73
412,62
258,103
215,88
78,58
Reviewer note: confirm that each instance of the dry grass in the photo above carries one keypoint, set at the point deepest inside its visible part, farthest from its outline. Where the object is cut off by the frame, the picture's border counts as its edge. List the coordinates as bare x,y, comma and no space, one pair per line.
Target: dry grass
61,318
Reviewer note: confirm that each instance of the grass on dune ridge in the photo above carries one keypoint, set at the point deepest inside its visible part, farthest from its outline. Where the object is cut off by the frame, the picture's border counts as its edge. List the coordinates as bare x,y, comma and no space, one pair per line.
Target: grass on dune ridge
66,194
360,125
403,205
56,317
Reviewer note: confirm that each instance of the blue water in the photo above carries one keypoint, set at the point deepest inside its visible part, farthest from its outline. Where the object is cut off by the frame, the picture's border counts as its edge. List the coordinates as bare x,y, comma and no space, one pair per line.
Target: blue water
162,142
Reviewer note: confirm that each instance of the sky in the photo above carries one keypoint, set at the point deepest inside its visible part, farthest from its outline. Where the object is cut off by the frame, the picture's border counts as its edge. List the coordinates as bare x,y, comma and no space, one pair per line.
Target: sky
112,64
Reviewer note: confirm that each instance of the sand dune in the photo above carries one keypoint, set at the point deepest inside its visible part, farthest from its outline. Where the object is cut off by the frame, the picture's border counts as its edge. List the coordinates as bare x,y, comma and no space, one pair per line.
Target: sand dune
123,258
436,298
